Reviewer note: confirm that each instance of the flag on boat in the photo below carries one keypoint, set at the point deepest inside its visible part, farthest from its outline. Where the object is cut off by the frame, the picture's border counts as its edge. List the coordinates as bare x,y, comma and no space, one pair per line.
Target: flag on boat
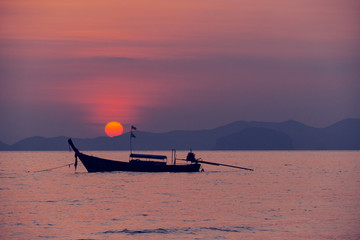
132,131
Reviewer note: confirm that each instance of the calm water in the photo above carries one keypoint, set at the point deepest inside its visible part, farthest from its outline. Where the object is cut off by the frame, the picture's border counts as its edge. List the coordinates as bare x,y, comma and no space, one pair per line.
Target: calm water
290,195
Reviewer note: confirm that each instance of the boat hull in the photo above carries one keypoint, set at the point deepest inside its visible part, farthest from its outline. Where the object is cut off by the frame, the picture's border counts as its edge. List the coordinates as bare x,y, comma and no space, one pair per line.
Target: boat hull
96,164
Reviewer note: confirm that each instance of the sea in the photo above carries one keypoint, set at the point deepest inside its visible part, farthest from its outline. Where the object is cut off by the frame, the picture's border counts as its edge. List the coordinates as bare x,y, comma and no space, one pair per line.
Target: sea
290,195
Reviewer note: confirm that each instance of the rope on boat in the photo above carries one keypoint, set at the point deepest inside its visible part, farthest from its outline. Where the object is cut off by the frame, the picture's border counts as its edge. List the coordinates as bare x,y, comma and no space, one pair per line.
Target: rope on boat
49,169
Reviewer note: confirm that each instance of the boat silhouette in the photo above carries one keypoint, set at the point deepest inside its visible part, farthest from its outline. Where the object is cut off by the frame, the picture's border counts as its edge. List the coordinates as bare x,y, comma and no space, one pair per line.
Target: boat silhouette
143,163
136,163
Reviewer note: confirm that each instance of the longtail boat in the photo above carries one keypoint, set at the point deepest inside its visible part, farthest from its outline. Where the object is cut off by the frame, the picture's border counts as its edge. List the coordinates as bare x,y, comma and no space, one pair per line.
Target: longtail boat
142,163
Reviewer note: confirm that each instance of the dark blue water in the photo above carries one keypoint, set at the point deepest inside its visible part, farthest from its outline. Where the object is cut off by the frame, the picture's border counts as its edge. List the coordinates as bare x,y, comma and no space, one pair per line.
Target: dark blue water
290,195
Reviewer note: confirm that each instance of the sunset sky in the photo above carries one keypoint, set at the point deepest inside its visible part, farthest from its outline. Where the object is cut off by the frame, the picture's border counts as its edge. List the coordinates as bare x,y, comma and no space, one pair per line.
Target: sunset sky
70,67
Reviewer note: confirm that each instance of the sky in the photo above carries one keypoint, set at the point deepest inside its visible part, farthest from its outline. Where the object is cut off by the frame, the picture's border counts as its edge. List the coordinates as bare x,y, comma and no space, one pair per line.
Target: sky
69,67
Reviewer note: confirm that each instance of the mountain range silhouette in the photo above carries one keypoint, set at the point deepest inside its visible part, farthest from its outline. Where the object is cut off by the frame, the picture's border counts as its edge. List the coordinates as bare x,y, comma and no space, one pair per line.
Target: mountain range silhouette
240,135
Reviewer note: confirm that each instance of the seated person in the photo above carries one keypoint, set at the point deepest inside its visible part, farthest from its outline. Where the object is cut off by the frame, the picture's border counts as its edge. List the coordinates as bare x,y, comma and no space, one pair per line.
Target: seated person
191,157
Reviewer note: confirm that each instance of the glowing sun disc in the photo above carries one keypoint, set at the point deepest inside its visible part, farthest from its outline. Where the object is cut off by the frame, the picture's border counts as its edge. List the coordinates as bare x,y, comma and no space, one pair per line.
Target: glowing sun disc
113,129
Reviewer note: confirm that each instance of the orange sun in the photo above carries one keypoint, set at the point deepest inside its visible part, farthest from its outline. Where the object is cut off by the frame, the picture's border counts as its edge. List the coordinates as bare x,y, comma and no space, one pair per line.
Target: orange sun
113,129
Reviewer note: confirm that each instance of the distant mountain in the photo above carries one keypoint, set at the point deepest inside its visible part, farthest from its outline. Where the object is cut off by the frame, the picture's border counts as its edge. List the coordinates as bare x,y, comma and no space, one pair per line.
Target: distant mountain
343,135
4,146
41,143
240,135
256,138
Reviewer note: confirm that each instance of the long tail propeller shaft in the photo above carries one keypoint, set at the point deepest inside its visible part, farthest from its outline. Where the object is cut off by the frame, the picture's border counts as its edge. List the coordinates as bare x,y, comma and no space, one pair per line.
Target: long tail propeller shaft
218,164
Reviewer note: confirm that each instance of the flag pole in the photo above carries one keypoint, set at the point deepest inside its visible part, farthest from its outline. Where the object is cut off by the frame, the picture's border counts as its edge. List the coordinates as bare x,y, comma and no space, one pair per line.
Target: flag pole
132,135
130,143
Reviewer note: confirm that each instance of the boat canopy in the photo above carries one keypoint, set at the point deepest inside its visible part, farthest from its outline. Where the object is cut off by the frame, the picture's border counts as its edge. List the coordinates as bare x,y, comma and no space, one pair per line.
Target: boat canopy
133,155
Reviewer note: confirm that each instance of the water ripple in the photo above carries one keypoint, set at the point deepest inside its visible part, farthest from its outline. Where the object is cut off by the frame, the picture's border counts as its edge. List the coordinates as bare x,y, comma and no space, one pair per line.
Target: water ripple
185,230
133,232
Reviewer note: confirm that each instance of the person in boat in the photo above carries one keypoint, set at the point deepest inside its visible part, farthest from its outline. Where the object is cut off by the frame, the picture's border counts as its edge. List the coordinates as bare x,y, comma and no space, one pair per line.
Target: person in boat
191,157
